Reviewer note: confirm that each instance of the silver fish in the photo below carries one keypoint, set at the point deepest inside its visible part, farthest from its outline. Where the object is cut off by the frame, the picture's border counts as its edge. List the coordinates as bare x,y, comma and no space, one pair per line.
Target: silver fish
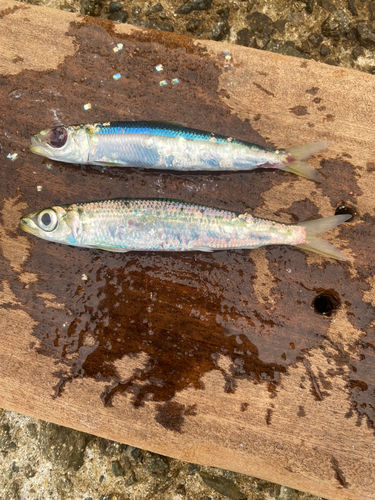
165,145
121,225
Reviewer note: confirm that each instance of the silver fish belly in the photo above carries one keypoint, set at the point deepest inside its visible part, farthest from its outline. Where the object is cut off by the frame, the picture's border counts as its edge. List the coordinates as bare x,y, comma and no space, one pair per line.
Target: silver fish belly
177,153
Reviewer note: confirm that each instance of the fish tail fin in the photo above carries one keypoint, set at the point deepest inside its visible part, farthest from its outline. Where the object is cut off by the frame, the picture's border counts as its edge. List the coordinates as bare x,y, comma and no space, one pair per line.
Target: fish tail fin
295,156
316,227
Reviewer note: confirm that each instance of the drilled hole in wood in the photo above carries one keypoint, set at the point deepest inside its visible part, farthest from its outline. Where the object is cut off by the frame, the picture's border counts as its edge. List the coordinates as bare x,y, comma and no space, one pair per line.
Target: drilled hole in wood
325,304
344,208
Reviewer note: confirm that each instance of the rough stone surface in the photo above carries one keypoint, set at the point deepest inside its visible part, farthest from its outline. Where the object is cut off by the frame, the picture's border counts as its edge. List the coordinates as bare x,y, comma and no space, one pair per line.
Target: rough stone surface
299,28
337,24
156,8
366,35
221,30
114,7
120,16
45,461
62,446
39,467
188,7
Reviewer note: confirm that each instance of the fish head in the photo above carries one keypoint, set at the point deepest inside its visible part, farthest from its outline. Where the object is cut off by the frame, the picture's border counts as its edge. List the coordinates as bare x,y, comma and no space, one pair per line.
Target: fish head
68,144
60,224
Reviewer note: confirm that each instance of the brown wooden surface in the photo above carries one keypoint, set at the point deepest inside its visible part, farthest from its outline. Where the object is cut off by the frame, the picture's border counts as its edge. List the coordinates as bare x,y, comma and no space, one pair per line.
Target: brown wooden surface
217,359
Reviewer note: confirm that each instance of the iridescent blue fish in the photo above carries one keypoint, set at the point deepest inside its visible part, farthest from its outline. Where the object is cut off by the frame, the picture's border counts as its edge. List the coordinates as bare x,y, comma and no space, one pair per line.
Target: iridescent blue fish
164,145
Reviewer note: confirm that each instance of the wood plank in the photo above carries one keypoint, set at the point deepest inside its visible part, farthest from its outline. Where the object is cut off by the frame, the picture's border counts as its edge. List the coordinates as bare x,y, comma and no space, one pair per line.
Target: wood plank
216,359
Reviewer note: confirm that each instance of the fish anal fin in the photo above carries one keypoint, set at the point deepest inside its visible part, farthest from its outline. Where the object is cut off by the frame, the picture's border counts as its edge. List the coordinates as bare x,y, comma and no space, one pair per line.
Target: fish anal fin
201,249
109,164
110,249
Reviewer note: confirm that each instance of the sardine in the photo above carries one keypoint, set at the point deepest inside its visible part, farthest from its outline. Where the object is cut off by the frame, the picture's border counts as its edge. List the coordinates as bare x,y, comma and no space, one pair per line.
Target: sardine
165,145
122,225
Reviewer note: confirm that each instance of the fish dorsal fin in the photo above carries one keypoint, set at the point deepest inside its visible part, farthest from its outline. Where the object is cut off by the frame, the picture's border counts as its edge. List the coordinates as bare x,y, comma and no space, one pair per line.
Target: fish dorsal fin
177,124
246,216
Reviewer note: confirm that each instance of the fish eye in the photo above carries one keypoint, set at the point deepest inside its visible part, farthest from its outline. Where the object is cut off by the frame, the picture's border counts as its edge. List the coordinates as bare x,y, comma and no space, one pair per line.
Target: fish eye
57,137
47,220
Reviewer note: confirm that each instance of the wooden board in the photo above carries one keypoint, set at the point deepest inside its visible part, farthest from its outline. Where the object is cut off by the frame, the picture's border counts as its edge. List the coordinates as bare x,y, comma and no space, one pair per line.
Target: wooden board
217,359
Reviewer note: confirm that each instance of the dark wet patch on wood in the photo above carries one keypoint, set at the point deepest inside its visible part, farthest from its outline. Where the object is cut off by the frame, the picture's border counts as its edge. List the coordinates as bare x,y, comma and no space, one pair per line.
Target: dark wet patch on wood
171,415
301,411
269,416
338,473
312,91
329,118
361,382
299,110
260,87
333,169
12,10
302,210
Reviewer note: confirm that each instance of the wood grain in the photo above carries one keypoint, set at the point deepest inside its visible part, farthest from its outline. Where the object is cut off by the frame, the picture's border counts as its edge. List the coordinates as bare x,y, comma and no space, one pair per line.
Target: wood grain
216,359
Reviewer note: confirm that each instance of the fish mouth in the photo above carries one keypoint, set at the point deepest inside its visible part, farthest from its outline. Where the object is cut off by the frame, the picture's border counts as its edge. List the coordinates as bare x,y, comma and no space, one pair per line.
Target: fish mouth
39,143
27,225
38,150
38,146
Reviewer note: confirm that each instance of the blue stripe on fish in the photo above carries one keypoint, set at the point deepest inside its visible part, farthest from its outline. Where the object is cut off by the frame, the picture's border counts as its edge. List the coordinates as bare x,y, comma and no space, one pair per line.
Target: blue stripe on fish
161,129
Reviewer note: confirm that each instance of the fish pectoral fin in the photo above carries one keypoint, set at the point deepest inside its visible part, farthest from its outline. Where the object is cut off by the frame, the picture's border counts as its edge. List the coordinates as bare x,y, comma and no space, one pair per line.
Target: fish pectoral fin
110,249
201,249
109,164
